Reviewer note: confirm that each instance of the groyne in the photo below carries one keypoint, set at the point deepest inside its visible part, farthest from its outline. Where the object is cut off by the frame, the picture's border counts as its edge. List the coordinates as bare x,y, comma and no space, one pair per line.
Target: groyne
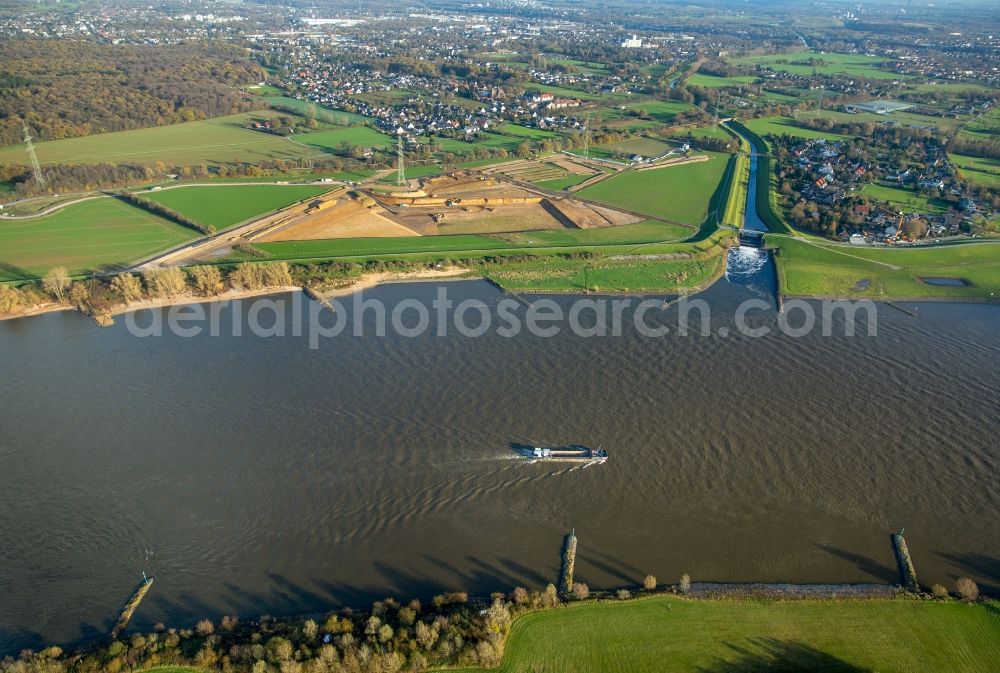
131,606
907,573
568,563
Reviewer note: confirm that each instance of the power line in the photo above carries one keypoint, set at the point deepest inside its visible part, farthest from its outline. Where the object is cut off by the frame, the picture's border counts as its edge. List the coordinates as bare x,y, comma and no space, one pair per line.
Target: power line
35,166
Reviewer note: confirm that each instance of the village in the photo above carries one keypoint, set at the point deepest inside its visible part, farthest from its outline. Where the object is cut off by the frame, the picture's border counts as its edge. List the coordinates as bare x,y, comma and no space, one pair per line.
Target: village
876,197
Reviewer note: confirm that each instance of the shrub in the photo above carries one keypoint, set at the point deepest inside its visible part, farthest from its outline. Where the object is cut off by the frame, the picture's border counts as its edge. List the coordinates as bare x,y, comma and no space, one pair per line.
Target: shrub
580,591
551,597
685,585
623,594
649,583
205,628
519,596
939,591
967,590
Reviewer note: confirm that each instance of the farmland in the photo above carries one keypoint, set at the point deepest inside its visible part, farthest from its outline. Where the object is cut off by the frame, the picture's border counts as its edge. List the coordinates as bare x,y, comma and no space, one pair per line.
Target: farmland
778,126
978,170
872,67
679,193
221,206
213,142
669,634
713,82
346,136
88,236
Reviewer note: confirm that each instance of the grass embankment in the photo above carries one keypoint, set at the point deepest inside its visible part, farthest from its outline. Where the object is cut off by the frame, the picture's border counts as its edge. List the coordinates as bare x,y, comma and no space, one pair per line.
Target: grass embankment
736,201
667,635
680,193
98,234
632,258
222,206
811,268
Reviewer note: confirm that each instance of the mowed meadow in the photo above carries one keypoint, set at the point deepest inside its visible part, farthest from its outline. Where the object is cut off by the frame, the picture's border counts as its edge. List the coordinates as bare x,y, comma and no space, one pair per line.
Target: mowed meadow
100,233
213,142
679,193
223,205
670,635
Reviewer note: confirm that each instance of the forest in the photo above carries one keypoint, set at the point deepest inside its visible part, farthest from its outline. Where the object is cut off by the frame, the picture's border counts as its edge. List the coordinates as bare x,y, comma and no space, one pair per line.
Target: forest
64,88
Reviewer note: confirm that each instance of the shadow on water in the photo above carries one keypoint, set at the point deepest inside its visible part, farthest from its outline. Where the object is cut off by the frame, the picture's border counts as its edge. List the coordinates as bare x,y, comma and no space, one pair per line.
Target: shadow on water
979,565
865,564
771,655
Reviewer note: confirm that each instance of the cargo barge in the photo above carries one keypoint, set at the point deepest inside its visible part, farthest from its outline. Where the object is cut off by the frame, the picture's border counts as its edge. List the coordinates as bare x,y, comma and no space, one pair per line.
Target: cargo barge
579,454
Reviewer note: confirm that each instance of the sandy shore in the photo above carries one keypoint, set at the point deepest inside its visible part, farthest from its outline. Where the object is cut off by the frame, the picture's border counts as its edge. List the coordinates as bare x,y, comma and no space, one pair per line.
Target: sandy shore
370,280
363,282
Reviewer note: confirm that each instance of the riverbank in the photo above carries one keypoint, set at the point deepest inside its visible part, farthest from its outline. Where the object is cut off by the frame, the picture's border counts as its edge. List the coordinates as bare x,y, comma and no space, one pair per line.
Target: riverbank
349,286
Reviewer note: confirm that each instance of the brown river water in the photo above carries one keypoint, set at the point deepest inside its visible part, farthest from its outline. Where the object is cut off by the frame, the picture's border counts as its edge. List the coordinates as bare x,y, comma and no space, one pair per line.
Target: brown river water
255,475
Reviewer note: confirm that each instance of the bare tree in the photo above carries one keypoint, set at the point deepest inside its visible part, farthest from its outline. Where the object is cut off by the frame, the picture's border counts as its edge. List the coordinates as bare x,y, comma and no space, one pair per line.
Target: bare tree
685,585
939,591
204,628
967,590
649,582
56,282
580,591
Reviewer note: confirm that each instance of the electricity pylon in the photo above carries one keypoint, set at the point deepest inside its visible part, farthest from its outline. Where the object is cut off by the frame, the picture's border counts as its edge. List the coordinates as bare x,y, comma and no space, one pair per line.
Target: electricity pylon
35,166
400,171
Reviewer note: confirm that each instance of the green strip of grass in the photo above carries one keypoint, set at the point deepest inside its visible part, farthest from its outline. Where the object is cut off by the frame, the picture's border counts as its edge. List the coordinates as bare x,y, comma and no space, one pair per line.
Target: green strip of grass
669,635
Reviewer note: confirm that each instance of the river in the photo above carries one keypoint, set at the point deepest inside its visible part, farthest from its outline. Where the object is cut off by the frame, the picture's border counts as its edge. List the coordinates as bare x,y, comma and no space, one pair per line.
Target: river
256,475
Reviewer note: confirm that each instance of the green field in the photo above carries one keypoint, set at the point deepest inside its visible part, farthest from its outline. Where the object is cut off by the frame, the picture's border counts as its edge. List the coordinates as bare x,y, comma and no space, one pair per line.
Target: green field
713,82
843,64
679,193
558,184
222,206
907,200
784,126
322,113
671,635
420,171
985,127
348,135
836,270
978,170
88,236
223,140
646,147
662,111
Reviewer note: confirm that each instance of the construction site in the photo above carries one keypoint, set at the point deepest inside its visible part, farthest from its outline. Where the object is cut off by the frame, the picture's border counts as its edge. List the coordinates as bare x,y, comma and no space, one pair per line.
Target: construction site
463,202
